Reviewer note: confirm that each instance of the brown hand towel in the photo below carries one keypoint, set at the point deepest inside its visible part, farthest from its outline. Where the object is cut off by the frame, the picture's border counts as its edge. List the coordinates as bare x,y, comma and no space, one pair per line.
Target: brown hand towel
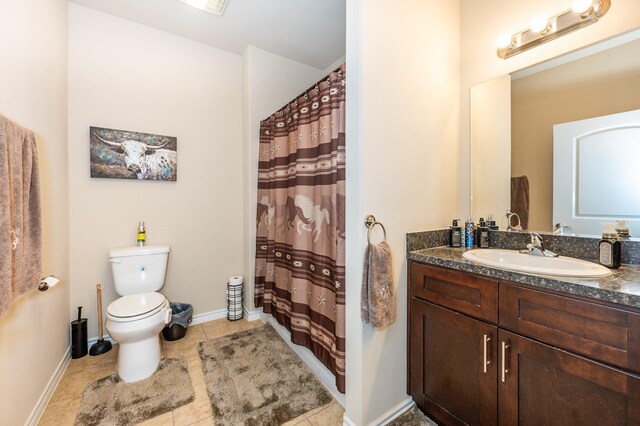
520,199
378,300
20,233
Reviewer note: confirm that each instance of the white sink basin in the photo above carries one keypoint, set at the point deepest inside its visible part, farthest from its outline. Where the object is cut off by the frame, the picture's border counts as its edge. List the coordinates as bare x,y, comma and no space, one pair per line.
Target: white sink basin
513,260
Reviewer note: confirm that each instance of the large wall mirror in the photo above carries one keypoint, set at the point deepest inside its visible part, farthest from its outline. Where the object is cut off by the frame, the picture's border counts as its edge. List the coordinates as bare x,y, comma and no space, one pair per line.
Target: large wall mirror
597,170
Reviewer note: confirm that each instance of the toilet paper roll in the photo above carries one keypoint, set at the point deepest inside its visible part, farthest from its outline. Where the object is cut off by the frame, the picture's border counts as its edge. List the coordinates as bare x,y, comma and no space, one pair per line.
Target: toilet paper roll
237,280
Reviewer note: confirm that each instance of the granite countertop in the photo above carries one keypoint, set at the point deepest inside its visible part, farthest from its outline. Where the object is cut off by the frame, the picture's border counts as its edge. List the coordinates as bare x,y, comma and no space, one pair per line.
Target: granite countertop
622,286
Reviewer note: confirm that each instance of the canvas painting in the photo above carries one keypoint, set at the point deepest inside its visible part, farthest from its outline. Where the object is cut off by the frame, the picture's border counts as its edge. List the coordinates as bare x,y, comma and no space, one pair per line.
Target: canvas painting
122,154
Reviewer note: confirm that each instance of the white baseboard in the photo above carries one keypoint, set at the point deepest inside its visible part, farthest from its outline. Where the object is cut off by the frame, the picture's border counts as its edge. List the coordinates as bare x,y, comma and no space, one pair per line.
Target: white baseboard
252,315
47,393
346,421
394,412
388,416
316,367
209,316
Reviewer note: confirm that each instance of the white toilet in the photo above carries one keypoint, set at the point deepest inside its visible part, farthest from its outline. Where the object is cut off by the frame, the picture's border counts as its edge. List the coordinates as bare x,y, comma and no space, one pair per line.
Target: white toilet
135,319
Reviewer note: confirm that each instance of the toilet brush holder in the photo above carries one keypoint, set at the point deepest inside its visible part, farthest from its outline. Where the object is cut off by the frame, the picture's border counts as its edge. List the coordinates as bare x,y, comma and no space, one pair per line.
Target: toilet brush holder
79,346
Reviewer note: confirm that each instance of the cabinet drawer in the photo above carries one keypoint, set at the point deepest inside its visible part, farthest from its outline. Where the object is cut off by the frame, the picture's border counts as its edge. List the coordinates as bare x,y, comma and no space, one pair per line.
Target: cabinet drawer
471,295
600,332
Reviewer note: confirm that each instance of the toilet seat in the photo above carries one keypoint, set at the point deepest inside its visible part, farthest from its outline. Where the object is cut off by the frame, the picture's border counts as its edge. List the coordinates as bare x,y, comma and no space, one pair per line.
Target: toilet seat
136,306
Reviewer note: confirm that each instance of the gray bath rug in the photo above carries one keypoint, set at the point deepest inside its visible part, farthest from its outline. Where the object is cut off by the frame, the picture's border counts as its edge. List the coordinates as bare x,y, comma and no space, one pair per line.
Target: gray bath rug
413,417
110,401
254,378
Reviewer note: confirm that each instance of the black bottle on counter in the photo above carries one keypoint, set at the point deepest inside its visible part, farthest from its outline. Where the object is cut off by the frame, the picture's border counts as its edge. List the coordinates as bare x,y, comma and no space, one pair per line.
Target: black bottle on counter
456,234
491,223
482,234
610,248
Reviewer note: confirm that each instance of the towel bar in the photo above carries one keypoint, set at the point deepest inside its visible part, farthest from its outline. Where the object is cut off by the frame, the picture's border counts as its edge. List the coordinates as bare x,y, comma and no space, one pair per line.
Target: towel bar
370,222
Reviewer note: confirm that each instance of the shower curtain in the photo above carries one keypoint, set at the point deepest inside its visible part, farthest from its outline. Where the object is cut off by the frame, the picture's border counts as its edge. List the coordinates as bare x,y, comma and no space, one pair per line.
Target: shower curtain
300,243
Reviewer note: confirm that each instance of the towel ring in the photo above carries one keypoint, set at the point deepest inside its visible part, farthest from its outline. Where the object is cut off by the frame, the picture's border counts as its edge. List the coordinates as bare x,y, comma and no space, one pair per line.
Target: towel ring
370,222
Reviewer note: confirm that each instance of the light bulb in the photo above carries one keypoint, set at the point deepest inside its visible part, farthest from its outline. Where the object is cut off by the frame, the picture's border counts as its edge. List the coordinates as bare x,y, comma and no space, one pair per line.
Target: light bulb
581,6
504,41
539,24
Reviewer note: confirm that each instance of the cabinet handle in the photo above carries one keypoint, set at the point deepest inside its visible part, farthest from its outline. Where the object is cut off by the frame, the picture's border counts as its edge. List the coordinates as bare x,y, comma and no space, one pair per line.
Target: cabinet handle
486,339
504,361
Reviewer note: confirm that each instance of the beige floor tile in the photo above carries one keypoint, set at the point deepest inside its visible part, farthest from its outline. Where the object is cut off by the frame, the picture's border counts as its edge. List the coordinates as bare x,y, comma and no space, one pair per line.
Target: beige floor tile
204,422
222,327
60,413
330,416
320,408
195,411
72,384
165,419
88,361
188,350
186,347
195,371
301,420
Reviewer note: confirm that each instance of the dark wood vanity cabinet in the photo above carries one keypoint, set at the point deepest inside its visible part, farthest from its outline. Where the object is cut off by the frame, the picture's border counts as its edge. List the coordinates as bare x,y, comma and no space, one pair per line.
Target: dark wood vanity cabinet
469,366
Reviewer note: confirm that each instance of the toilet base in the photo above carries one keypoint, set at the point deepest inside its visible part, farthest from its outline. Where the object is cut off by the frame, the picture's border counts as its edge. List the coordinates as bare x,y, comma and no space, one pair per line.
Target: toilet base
139,360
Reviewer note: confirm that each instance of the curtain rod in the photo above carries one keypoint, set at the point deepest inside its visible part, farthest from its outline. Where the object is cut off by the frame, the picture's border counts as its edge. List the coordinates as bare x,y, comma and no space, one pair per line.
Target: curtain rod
313,86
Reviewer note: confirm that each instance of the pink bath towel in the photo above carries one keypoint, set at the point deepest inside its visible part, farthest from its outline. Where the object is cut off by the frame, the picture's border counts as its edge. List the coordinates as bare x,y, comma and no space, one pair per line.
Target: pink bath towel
20,229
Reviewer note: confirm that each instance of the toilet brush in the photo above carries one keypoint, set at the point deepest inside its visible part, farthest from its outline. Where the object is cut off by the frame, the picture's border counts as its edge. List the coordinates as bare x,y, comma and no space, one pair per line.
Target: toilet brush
101,346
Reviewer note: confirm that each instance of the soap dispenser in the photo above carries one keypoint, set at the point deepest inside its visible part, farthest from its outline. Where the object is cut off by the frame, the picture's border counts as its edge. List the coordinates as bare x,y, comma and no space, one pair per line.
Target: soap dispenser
610,248
482,234
622,230
455,232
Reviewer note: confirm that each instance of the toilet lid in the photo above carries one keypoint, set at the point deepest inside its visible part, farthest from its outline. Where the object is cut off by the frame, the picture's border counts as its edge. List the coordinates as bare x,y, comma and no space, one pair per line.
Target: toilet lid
135,304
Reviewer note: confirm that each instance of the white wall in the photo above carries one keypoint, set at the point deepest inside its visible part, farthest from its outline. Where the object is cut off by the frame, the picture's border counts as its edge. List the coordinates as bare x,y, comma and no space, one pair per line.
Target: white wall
402,141
33,93
269,82
127,76
491,147
482,23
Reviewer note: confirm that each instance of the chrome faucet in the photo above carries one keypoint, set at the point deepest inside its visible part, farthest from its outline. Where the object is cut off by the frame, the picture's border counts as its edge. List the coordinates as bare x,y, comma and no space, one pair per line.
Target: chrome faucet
536,247
510,216
560,228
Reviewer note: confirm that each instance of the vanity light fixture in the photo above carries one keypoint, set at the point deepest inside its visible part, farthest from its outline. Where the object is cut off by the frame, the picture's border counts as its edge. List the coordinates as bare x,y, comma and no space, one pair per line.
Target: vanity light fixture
213,6
542,29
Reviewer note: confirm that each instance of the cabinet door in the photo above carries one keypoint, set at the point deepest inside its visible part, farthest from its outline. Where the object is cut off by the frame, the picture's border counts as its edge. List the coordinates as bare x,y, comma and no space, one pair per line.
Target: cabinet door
453,365
543,385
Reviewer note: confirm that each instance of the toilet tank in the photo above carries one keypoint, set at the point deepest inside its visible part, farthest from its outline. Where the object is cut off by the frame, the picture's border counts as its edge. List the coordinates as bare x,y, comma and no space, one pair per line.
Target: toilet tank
139,269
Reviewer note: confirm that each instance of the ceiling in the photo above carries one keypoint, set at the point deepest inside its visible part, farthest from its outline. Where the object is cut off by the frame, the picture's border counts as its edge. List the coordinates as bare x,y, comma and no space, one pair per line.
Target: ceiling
308,31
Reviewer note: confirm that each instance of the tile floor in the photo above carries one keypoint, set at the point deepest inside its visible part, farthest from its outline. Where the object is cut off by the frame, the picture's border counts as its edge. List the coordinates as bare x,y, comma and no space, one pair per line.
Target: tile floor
65,401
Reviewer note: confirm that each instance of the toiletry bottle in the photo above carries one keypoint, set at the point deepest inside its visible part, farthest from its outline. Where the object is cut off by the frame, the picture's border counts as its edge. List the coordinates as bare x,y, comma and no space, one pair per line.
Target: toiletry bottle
142,234
610,248
456,233
482,234
491,223
622,230
468,232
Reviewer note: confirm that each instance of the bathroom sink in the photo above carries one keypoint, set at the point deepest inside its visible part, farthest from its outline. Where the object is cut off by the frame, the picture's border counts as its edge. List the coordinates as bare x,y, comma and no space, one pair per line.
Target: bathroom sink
513,260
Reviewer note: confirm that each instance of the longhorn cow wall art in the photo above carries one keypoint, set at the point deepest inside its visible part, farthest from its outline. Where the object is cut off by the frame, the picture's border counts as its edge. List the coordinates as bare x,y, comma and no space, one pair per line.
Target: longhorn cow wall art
122,154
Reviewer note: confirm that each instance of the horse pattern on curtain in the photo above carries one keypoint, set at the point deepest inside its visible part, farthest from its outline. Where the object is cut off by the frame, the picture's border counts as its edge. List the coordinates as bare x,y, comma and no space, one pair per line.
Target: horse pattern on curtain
300,244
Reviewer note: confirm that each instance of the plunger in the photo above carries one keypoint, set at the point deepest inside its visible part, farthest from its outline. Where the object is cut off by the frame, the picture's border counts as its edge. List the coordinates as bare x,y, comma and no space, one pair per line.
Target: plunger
101,346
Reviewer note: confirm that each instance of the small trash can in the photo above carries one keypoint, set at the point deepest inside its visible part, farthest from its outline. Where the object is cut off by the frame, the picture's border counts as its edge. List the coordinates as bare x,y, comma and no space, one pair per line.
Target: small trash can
181,315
